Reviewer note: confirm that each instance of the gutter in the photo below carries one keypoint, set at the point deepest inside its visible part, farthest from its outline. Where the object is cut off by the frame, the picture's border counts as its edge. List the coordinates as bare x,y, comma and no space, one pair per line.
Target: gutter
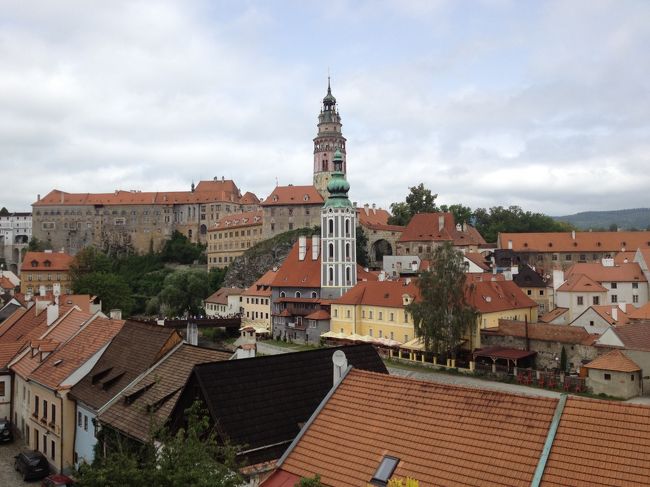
548,444
312,418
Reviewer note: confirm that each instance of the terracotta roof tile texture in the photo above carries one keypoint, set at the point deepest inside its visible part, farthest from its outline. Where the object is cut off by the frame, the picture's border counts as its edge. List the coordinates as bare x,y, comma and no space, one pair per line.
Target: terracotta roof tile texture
616,361
73,354
159,388
600,443
543,332
583,242
642,313
605,312
635,335
293,195
299,273
492,296
444,435
425,227
553,314
581,283
220,296
8,351
239,220
261,287
134,349
37,261
630,272
11,320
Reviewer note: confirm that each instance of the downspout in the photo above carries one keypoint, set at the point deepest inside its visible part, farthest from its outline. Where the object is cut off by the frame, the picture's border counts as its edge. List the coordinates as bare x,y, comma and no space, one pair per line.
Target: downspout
548,444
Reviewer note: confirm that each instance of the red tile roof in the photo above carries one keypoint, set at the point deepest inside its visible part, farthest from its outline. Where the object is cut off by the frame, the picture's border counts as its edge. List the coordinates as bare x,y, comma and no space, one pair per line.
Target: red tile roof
491,296
616,361
379,293
583,242
376,219
46,261
205,192
634,335
238,220
298,273
443,435
552,315
261,287
605,312
76,352
425,227
6,284
294,195
624,257
642,313
630,272
478,259
249,199
221,295
11,319
542,332
581,283
320,314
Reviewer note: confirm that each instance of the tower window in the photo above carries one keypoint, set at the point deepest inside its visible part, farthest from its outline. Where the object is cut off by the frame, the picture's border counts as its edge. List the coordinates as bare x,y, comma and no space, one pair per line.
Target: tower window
331,251
347,250
331,226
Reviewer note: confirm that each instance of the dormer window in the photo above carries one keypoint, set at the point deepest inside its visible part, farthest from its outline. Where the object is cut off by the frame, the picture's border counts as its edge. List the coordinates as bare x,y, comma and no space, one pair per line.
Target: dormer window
47,263
34,263
306,197
275,197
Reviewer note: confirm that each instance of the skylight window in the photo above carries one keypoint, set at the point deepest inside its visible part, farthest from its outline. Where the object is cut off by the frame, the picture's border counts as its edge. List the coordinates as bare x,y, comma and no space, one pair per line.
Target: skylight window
385,470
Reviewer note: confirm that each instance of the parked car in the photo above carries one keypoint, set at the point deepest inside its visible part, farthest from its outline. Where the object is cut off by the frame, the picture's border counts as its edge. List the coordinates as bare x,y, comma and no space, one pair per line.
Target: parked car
57,480
32,465
6,434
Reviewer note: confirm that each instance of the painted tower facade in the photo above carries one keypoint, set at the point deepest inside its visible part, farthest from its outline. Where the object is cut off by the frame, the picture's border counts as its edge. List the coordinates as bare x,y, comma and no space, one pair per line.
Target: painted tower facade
338,235
327,142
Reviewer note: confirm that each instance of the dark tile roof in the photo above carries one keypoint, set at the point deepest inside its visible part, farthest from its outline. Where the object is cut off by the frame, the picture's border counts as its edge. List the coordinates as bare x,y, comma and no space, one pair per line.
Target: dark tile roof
133,350
8,310
261,402
149,401
527,277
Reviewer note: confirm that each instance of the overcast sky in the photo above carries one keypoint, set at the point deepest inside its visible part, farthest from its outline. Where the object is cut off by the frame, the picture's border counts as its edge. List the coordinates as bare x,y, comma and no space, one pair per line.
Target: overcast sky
541,104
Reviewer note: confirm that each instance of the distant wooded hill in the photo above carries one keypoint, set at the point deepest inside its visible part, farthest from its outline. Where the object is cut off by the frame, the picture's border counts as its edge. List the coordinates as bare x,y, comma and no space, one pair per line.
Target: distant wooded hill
632,219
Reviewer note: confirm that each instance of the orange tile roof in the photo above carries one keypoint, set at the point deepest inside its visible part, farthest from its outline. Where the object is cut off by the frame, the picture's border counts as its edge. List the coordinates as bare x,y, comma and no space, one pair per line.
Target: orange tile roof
320,314
38,261
584,241
249,199
635,335
261,287
11,319
379,293
630,272
478,259
8,351
6,284
424,227
220,296
376,219
581,283
615,360
443,434
642,313
624,257
238,220
543,332
605,312
298,273
491,296
294,195
205,192
25,326
553,314
75,352
600,443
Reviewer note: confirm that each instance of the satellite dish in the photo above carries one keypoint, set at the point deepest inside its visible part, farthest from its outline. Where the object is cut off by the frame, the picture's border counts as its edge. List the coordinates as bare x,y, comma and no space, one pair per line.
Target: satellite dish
339,359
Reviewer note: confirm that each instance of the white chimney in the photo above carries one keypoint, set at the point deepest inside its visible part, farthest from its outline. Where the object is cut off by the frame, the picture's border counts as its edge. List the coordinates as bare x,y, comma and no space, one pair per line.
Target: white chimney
573,234
441,222
382,276
52,313
615,313
374,209
115,314
607,262
302,247
366,208
41,305
315,247
340,362
41,290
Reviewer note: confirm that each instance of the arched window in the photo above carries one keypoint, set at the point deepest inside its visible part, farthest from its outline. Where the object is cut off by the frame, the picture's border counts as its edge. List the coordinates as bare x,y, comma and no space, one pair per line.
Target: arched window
331,251
314,294
331,275
348,275
297,294
189,234
330,224
282,294
347,227
347,250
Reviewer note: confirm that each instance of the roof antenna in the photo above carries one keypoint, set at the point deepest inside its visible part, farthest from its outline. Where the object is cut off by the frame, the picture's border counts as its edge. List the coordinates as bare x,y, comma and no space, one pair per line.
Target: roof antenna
276,181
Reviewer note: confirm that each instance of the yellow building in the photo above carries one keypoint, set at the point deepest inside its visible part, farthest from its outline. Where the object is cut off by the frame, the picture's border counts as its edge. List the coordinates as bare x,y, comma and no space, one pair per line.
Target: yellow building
45,272
232,236
376,309
256,301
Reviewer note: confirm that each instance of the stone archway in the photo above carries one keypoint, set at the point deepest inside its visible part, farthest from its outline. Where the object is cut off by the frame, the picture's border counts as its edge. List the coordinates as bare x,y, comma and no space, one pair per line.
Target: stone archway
380,248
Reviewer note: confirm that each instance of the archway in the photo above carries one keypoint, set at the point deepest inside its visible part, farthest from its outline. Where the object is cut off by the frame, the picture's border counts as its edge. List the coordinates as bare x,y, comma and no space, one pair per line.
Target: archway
380,248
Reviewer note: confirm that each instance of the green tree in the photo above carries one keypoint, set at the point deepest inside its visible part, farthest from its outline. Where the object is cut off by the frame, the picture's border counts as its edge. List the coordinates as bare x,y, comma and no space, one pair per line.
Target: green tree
310,482
442,315
191,457
419,200
184,292
179,249
462,214
36,245
88,261
362,247
4,211
216,277
112,289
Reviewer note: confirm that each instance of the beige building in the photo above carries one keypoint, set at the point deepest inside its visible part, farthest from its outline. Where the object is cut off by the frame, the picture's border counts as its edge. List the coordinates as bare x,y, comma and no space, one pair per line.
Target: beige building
256,301
134,220
45,273
225,302
231,236
290,207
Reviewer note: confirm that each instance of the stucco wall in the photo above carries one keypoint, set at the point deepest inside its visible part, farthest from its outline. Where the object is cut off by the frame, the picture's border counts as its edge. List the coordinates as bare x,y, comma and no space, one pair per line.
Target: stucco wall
619,384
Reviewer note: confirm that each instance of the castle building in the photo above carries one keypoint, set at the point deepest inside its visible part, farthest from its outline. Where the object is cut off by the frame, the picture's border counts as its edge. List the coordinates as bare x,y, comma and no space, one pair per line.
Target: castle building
328,140
338,235
231,236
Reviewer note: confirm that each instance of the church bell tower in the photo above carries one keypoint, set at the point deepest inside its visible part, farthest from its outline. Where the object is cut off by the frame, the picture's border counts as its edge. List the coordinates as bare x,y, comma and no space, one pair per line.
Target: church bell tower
328,140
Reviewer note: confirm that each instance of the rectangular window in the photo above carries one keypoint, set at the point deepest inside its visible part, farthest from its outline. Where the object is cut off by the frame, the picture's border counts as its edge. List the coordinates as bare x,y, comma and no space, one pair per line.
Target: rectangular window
44,408
53,418
608,376
370,332
541,292
36,401
381,316
406,338
529,292
567,257
347,313
392,317
614,298
53,450
614,285
596,300
85,423
635,298
580,300
370,314
2,388
635,285
45,444
381,333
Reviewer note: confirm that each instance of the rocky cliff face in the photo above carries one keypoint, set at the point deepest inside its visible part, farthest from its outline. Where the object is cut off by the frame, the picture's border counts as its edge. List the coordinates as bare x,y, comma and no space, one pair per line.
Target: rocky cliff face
257,260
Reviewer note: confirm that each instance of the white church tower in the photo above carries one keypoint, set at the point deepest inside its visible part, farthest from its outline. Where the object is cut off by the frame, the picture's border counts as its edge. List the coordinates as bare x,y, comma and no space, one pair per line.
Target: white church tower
338,236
